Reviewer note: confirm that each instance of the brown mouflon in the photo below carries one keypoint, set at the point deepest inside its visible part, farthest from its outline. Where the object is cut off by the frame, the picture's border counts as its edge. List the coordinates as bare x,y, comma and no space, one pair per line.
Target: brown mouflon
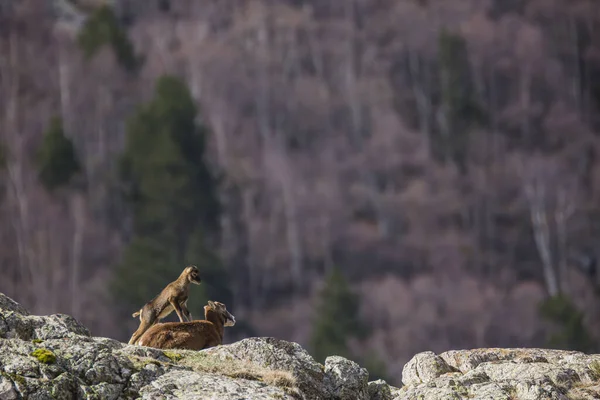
195,335
172,298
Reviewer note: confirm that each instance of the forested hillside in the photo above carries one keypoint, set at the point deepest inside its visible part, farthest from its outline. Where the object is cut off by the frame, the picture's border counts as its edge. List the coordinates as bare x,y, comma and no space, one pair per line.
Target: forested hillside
368,178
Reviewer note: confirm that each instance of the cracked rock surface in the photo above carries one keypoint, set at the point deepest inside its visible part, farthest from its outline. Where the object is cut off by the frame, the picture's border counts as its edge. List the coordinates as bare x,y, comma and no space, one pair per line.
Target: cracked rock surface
503,374
55,357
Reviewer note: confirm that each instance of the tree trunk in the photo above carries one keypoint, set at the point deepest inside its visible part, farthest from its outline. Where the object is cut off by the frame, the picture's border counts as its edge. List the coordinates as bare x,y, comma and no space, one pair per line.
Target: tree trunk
248,213
422,100
525,101
541,230
292,226
562,215
218,118
79,222
65,92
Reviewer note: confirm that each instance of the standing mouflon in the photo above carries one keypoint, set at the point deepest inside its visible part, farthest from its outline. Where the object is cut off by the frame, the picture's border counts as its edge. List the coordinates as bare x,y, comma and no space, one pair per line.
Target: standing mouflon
173,297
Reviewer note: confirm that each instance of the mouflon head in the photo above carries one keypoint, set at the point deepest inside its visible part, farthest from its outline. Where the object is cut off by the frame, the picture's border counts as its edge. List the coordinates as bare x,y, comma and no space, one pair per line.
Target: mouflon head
192,274
221,310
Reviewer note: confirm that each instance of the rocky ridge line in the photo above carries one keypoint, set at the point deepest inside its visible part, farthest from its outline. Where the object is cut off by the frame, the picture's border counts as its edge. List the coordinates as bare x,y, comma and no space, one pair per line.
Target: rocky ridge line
54,357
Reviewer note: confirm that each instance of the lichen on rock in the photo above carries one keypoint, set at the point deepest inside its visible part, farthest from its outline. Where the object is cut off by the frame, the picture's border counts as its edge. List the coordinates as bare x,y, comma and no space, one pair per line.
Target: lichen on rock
345,379
380,390
423,368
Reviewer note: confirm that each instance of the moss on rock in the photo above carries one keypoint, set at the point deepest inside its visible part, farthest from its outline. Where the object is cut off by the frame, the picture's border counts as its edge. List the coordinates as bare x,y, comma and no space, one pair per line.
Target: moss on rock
173,356
44,356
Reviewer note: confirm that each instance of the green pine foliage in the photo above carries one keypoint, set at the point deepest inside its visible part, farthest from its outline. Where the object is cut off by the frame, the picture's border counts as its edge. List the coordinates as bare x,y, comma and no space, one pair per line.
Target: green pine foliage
57,160
457,90
173,199
102,28
572,333
141,274
170,186
215,277
337,319
457,96
376,367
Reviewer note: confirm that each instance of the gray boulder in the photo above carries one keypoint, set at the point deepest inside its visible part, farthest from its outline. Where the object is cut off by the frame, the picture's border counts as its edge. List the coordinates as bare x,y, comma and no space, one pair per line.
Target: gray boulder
527,374
345,379
380,390
423,368
7,305
17,325
275,354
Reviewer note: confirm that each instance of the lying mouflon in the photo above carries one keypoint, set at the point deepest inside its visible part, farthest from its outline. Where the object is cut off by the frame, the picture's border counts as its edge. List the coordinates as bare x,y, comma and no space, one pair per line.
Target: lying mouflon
195,335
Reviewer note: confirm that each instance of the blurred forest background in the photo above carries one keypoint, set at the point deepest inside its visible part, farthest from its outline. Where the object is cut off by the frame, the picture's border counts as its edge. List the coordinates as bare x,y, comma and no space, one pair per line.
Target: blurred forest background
370,178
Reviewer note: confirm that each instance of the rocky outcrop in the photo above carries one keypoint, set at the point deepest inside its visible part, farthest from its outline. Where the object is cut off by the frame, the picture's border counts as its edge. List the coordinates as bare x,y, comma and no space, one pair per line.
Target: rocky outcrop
503,374
54,357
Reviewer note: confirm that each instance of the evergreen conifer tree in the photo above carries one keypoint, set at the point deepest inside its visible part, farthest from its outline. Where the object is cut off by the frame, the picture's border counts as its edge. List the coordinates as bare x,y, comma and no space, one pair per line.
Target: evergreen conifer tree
337,319
57,160
457,96
173,200
141,273
102,28
572,333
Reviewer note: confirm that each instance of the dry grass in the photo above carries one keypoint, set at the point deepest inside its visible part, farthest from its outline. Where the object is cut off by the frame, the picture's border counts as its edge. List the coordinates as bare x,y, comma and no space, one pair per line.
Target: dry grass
595,368
584,391
279,378
232,368
236,369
